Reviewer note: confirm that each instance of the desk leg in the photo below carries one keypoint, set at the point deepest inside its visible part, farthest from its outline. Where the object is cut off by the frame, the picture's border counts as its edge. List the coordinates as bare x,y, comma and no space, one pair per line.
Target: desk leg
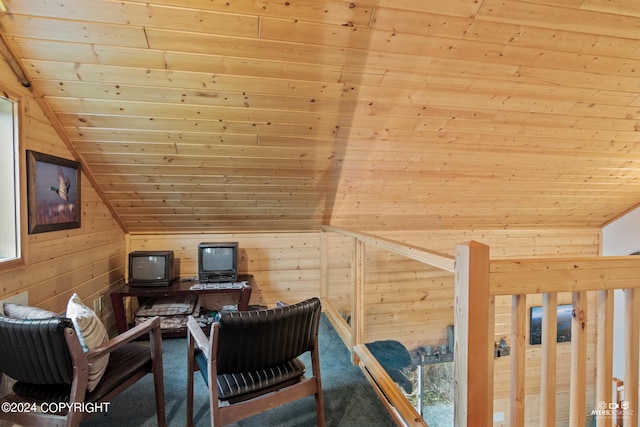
243,304
118,312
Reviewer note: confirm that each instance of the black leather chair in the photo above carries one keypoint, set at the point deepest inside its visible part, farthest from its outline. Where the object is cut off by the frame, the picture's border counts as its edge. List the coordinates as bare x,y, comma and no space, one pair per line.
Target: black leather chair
250,361
47,361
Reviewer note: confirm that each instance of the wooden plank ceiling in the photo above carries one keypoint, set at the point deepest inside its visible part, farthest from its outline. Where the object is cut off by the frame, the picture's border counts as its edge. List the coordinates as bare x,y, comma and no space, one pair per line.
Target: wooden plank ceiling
233,115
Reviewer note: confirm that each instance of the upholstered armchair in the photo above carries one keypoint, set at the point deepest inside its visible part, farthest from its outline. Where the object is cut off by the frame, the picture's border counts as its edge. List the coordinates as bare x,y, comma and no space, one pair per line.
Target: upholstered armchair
52,370
250,361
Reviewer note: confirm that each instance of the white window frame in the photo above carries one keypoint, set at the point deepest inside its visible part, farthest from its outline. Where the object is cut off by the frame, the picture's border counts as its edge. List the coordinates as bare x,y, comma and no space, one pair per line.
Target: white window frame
11,179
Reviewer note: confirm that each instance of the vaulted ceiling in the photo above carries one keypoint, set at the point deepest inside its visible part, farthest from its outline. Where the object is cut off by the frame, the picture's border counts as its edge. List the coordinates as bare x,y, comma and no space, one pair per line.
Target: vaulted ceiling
377,114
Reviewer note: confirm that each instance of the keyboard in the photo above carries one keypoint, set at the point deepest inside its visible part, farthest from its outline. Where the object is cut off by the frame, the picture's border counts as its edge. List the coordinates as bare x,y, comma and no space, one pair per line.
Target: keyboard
221,285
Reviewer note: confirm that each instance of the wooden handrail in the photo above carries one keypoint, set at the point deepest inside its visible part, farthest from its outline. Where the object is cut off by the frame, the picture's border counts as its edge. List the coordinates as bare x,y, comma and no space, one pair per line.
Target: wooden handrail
536,276
433,258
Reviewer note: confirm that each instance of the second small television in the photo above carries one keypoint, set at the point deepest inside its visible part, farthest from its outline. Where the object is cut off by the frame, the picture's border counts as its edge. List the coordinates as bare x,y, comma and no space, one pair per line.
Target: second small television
150,268
218,262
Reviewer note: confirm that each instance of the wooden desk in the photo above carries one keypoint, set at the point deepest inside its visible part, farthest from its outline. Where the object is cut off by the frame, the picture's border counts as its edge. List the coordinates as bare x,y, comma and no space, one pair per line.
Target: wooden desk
177,288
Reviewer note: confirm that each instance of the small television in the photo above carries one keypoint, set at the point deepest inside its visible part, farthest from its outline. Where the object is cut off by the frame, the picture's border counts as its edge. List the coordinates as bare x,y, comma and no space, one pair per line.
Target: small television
218,262
151,268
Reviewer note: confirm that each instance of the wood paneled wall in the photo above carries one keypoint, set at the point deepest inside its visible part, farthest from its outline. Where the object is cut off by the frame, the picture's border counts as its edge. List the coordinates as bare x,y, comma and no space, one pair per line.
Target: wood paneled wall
406,298
398,285
285,266
87,260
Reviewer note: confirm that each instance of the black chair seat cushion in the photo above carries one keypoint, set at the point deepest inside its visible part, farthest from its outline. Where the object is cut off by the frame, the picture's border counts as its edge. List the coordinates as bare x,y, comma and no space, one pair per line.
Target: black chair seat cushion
241,386
123,363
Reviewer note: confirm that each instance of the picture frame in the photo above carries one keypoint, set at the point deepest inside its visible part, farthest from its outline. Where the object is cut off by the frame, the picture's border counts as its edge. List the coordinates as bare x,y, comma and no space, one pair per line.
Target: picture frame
565,315
53,193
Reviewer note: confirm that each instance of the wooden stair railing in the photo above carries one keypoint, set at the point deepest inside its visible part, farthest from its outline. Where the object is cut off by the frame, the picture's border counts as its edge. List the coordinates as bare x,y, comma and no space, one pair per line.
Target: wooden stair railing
522,277
478,281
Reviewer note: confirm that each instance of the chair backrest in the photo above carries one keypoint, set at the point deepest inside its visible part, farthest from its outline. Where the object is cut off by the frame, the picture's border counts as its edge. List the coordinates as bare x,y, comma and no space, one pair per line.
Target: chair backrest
35,351
258,339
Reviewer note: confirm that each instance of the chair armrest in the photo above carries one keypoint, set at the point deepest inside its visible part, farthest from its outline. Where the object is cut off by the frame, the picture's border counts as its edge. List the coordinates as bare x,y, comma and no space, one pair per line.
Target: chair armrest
195,331
151,327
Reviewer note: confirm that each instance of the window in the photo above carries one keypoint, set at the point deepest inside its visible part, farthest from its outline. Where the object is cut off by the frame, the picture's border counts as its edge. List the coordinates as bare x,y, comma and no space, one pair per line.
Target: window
9,181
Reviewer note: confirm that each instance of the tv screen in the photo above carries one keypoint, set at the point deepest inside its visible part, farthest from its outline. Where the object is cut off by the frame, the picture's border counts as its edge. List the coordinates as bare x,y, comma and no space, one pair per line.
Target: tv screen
150,268
217,262
217,259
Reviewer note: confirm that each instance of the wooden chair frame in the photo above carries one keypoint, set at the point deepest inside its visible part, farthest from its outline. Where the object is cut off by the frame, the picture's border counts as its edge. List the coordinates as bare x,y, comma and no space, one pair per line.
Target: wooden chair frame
80,360
223,412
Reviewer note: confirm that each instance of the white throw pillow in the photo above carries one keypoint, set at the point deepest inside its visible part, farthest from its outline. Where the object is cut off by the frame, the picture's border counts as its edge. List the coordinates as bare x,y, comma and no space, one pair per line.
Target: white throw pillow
26,312
91,333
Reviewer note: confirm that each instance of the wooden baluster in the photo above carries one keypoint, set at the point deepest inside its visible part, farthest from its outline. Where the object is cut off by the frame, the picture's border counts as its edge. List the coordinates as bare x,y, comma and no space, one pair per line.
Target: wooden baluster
518,348
548,362
631,330
577,417
604,353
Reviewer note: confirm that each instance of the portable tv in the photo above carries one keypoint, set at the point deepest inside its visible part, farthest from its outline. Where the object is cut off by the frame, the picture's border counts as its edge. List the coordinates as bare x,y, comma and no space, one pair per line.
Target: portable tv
150,268
218,262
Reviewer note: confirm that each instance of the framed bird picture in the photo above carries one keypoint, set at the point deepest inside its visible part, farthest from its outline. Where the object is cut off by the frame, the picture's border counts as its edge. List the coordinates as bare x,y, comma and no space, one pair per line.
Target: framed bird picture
53,192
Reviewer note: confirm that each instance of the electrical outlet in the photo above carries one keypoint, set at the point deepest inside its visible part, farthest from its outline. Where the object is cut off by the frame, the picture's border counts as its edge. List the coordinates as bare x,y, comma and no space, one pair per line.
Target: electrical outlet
98,304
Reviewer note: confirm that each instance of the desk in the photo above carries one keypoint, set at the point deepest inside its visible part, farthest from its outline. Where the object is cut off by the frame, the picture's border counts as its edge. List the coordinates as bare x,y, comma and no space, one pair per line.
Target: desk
177,288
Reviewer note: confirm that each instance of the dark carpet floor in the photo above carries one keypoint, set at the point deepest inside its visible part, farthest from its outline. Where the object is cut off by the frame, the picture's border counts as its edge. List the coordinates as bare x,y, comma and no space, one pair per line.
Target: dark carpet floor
349,399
